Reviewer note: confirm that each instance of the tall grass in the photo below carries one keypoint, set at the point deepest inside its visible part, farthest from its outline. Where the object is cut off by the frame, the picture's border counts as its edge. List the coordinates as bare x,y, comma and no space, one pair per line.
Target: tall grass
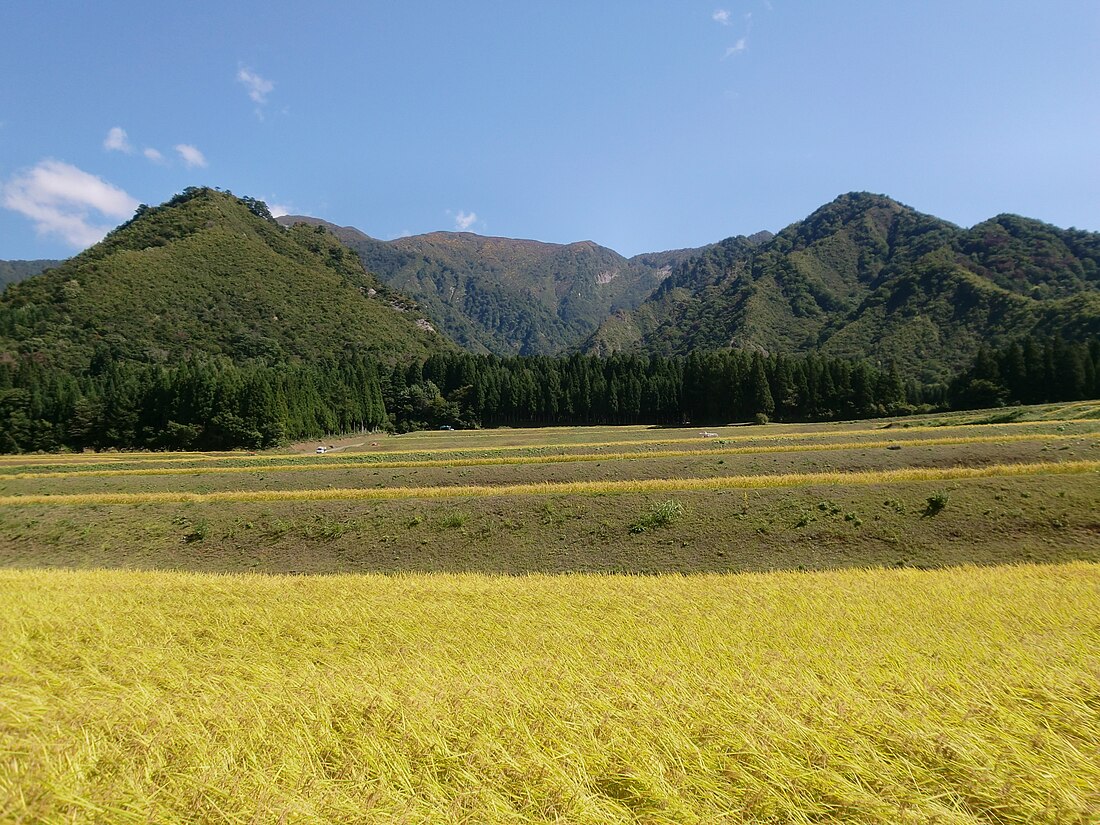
958,696
747,482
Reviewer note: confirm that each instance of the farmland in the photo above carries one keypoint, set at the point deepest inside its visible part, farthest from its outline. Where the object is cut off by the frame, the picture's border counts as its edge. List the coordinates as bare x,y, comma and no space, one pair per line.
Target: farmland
573,499
884,621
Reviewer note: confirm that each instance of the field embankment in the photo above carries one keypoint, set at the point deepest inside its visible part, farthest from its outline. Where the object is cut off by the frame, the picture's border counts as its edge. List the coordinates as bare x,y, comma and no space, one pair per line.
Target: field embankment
928,493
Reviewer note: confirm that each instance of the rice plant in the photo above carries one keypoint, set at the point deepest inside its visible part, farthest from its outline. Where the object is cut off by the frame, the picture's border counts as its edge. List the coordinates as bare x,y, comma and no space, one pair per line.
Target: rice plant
890,696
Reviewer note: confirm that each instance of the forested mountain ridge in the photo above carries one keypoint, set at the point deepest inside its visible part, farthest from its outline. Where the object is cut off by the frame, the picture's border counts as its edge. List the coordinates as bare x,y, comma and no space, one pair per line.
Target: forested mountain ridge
509,296
13,271
208,274
866,277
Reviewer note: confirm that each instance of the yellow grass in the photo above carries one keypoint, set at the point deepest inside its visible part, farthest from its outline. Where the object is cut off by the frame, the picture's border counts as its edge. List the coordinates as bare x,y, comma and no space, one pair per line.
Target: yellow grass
570,487
958,696
571,458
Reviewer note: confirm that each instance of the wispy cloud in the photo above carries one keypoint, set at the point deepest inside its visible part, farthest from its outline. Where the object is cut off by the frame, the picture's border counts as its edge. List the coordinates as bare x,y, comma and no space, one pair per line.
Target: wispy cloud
152,154
68,202
117,141
258,88
736,48
464,220
721,16
279,209
191,156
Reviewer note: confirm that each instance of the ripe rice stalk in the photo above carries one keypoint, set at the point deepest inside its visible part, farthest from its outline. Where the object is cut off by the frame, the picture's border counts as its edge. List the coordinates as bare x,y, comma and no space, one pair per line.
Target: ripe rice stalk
869,696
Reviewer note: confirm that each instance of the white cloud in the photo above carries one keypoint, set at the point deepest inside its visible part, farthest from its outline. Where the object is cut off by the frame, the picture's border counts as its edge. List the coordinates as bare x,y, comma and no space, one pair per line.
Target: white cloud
153,154
464,220
721,16
736,48
63,200
191,155
117,141
279,209
258,87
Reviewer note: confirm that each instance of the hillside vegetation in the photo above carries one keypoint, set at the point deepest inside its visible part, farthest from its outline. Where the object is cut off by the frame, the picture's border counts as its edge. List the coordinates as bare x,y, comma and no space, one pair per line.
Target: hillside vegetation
213,275
13,271
866,277
506,296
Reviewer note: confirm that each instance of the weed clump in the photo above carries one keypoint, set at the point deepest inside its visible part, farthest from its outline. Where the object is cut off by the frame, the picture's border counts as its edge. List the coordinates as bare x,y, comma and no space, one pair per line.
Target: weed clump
659,515
936,502
453,521
198,532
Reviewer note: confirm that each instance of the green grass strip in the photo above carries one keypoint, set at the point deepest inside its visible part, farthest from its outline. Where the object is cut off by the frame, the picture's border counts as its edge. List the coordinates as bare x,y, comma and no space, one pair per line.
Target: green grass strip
495,461
570,487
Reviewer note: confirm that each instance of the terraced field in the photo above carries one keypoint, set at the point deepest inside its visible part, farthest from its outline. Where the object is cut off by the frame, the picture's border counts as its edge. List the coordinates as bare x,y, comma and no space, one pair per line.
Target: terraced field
579,499
155,688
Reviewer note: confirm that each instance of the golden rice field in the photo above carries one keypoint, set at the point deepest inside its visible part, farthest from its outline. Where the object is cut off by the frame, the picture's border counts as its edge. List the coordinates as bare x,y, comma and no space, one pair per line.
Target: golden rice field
890,696
876,622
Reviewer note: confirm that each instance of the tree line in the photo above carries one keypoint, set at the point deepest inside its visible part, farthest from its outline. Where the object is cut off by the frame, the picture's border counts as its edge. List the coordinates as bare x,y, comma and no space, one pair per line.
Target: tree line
464,390
198,405
1029,371
210,404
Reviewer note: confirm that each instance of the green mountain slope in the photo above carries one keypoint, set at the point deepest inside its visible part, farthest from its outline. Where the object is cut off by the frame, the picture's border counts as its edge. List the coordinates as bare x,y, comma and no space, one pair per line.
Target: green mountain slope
865,276
209,273
509,296
13,271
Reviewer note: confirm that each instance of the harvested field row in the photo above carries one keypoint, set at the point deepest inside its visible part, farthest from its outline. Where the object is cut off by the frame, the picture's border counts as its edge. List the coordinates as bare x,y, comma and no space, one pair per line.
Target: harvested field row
787,434
568,488
718,450
998,520
601,467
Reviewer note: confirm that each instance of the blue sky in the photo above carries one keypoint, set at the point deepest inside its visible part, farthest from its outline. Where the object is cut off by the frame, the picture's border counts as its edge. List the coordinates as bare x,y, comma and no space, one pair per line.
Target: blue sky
639,125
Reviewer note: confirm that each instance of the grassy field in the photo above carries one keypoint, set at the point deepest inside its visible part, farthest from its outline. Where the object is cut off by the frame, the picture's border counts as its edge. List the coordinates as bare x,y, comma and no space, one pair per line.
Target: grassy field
879,622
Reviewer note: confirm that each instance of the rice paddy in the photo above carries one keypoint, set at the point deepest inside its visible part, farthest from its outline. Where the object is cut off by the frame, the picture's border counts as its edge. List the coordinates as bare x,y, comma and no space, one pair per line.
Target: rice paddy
861,622
959,696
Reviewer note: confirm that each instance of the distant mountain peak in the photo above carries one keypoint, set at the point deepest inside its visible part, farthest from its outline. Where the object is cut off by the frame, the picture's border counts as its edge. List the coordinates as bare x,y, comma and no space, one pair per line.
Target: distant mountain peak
511,296
865,276
211,274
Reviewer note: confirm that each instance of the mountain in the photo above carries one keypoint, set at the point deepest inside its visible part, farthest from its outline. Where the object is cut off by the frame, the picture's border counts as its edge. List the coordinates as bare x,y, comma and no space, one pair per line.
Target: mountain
509,296
209,273
12,271
866,277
